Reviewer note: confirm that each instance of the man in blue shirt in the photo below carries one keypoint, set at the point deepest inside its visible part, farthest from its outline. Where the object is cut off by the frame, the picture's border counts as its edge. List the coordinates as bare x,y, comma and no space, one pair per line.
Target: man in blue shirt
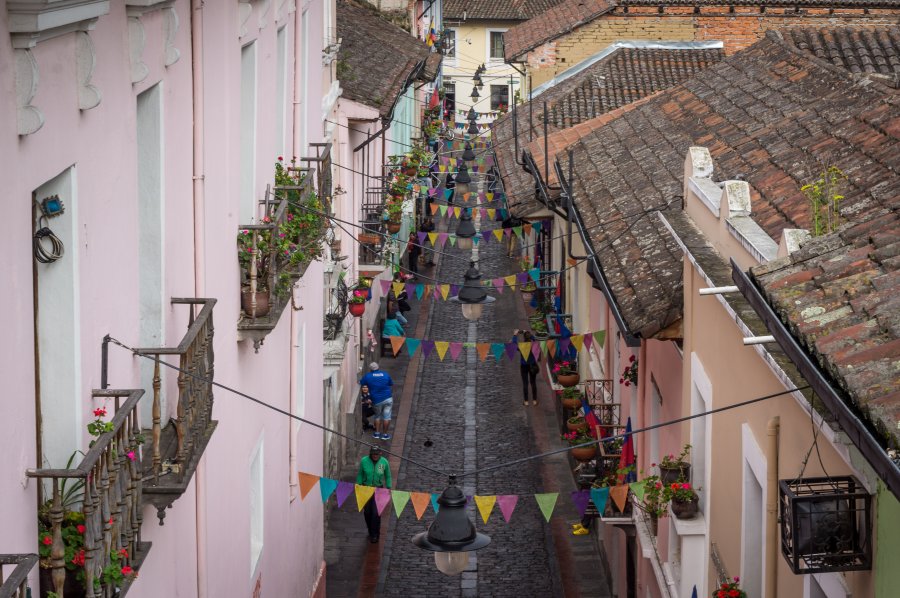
380,387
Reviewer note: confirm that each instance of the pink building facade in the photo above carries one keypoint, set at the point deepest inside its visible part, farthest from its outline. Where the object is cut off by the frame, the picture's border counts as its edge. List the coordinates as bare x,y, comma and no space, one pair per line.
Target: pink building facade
158,125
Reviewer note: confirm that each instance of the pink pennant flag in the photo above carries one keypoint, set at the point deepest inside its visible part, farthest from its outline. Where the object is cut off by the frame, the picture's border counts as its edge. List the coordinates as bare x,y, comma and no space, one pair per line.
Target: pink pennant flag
536,349
445,160
507,503
385,285
499,283
588,339
484,212
455,350
382,498
442,238
433,191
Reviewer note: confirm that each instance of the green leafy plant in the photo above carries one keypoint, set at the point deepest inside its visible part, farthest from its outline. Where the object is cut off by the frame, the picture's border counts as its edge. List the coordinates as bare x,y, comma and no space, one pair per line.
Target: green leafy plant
576,437
630,373
825,196
656,499
671,461
565,368
571,393
681,491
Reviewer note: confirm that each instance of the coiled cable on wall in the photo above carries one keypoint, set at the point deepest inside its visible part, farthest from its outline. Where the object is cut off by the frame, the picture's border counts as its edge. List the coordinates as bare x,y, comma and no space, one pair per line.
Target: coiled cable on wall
41,252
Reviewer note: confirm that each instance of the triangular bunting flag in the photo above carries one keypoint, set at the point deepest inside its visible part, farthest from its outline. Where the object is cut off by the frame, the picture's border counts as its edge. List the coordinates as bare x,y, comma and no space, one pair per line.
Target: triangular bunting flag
382,498
525,349
498,284
326,487
551,347
443,208
412,345
485,505
482,349
307,481
456,212
587,339
498,232
547,502
455,350
489,195
441,347
400,498
421,236
543,347
577,341
619,496
600,496
600,338
507,503
427,347
448,193
491,212
420,502
344,489
397,343
385,285
433,238
638,489
445,291
434,502
442,238
518,231
363,495
420,290
510,281
511,350
397,287
497,349
581,498
536,350
535,274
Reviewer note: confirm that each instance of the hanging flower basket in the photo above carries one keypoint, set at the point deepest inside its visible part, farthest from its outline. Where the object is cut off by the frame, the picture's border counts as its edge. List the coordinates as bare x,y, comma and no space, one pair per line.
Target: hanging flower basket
685,502
568,380
584,453
357,309
393,227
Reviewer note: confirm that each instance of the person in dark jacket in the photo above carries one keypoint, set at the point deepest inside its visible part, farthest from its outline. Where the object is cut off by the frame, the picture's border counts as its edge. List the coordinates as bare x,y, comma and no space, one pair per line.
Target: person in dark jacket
428,227
450,184
413,251
528,369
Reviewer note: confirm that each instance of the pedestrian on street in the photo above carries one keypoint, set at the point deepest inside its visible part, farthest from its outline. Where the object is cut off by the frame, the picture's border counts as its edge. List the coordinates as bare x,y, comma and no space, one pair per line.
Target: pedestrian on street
392,327
413,251
365,400
381,388
528,368
374,471
428,227
393,309
450,183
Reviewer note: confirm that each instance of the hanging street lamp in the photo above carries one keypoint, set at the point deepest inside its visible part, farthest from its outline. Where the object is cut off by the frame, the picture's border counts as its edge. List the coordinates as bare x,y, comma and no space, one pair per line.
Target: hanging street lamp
451,536
462,177
476,80
465,230
473,128
475,94
472,115
468,153
472,297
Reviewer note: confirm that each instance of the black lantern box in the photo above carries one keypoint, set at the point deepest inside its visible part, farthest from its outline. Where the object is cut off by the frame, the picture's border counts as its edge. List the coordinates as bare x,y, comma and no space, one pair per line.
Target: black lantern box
826,524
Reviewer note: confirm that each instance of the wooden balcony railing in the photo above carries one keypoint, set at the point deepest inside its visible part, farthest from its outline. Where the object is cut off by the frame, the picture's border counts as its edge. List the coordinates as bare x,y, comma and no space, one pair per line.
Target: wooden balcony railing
110,501
177,446
16,585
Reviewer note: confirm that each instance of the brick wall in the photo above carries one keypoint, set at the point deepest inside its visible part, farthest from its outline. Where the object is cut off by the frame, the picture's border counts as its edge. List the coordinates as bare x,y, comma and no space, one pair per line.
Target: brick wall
737,29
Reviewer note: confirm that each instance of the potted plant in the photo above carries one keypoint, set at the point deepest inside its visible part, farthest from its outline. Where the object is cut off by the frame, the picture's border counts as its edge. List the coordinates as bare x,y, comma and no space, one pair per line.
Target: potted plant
539,329
674,468
656,501
685,501
528,290
566,373
630,374
613,479
260,255
576,424
394,213
570,398
357,301
731,589
580,453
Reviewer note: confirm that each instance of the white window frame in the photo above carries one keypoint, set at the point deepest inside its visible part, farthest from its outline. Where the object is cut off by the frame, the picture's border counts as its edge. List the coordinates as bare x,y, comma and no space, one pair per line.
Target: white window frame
701,400
451,60
754,464
831,583
488,57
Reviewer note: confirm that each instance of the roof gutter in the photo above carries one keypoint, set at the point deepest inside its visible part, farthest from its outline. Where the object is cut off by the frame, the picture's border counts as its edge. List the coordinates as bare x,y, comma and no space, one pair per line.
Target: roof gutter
413,75
850,423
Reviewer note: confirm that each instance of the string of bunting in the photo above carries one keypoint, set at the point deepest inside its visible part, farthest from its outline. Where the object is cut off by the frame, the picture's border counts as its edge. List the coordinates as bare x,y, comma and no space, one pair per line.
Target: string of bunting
494,235
481,197
486,162
455,211
507,503
444,291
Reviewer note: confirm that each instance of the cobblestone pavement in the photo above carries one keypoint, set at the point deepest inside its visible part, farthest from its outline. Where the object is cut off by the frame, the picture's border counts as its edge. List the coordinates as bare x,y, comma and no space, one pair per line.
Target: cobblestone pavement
472,414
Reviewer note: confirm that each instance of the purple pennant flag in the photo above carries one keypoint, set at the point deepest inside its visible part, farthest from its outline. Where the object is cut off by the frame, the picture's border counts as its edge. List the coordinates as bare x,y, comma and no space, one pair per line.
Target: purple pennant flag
454,290
421,237
432,192
588,339
442,238
522,277
385,285
410,288
474,167
486,234
445,160
427,347
564,346
489,161
499,283
382,498
580,498
507,502
512,349
343,491
455,350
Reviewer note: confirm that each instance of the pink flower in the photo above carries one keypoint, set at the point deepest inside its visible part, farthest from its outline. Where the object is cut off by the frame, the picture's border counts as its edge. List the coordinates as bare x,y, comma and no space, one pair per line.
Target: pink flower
686,486
627,383
621,380
130,455
631,359
47,540
99,412
281,158
126,570
123,553
80,528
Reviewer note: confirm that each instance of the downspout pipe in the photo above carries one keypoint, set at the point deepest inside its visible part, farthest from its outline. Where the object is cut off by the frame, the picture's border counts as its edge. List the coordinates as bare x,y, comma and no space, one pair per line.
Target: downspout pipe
566,184
199,188
772,431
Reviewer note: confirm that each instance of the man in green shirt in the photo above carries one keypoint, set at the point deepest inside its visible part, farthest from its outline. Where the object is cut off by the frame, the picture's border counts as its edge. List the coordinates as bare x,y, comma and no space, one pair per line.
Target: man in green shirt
374,470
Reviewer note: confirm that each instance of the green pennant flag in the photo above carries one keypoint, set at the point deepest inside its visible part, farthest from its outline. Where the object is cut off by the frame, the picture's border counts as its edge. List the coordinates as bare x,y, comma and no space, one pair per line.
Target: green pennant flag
452,240
400,498
638,489
535,274
600,338
443,209
544,348
547,502
518,231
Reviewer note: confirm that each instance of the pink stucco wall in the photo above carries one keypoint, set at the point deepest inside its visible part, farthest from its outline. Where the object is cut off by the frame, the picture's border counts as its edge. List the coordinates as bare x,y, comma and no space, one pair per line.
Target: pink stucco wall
100,143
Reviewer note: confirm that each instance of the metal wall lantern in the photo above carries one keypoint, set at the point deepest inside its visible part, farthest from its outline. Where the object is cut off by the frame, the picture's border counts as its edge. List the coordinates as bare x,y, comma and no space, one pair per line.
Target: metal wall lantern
463,178
465,231
826,524
471,114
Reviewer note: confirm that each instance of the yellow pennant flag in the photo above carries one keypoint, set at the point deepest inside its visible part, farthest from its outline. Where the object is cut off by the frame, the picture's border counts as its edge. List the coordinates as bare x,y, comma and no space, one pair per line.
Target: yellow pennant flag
420,501
397,343
456,212
442,168
363,494
398,288
485,505
578,341
483,349
489,195
433,238
491,212
307,481
525,349
453,162
510,281
441,347
498,232
445,291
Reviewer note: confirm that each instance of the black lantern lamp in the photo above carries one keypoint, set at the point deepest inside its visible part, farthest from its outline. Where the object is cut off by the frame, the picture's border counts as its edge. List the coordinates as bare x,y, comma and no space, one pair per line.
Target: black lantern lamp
472,297
468,153
473,128
826,524
475,95
451,536
476,80
463,178
465,230
472,115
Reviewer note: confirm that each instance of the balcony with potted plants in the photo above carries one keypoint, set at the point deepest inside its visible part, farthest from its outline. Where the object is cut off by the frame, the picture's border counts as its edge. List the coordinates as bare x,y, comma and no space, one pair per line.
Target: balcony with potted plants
274,253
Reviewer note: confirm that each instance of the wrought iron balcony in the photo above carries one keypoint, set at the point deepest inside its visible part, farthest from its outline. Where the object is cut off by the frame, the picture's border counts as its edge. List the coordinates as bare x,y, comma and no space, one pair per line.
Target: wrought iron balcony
176,447
111,485
16,585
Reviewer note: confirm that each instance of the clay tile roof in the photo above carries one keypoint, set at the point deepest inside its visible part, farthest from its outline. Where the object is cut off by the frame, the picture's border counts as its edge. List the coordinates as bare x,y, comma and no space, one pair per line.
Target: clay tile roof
840,297
772,114
376,57
777,3
501,10
859,50
551,24
627,74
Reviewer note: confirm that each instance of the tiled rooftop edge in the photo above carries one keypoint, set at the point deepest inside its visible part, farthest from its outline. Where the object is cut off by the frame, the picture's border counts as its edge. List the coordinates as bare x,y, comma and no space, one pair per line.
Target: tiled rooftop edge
752,238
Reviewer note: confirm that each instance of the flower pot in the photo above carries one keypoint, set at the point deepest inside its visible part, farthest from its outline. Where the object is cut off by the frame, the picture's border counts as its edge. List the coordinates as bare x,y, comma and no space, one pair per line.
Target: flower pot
393,227
686,509
357,309
262,303
579,427
654,524
369,238
670,475
570,402
584,453
527,296
568,380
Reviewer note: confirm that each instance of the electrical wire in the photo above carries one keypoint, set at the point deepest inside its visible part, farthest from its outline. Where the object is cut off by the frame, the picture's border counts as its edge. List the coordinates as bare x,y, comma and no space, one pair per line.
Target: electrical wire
41,252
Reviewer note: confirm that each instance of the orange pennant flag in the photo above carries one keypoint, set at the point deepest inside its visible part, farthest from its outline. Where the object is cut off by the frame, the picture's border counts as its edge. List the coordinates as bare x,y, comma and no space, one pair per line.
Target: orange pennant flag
483,349
551,347
307,482
571,261
420,501
467,196
434,209
397,343
619,495
441,347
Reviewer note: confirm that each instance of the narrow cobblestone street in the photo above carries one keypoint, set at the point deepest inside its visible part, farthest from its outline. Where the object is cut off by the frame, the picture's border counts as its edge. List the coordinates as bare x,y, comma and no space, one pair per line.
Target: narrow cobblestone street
459,416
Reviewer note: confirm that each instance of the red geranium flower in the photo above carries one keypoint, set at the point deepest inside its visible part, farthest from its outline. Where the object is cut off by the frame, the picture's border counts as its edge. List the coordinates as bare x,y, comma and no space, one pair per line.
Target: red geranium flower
99,412
80,528
47,540
126,570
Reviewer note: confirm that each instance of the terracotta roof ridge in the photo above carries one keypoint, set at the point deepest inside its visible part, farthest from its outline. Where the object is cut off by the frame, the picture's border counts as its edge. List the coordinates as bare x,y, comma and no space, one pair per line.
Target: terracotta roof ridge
549,31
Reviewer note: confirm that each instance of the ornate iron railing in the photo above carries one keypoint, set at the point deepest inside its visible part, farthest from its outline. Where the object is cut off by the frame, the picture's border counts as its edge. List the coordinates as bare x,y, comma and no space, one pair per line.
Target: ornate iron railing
177,446
599,395
16,585
110,503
